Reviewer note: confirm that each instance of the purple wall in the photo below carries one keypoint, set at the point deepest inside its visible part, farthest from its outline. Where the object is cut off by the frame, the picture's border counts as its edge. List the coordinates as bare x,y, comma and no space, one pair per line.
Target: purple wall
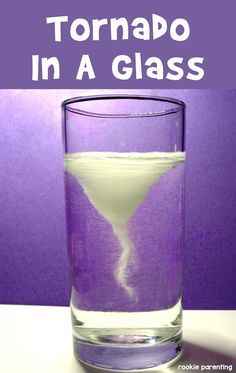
33,259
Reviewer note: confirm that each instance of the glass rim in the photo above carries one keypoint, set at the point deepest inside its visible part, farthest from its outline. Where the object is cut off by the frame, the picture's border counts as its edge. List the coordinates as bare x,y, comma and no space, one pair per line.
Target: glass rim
179,105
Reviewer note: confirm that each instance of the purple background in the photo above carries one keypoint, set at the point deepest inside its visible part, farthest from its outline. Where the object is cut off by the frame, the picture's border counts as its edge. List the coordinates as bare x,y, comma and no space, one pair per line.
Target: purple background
33,259
24,32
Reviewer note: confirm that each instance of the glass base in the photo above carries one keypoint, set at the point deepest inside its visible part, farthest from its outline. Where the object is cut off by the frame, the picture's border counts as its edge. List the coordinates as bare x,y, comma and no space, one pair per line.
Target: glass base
115,340
119,344
129,358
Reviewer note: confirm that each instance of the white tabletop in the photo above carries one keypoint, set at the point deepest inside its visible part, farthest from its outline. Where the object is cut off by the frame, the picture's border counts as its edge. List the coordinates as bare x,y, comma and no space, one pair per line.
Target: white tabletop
37,339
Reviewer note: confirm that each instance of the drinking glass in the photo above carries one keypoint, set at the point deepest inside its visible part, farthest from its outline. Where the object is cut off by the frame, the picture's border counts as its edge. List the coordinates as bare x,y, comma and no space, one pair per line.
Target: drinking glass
124,181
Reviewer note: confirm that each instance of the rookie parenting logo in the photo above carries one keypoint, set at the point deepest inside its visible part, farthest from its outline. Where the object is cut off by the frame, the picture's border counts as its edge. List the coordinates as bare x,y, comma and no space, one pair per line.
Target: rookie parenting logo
206,368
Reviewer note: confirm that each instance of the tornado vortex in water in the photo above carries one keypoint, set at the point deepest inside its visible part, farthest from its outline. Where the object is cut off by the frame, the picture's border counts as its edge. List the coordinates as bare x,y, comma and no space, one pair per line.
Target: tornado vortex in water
116,184
127,250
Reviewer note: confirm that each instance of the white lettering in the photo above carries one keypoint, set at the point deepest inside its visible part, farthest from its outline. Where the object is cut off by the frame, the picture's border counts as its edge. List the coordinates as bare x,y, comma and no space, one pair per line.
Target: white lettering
50,62
97,24
155,69
117,23
159,25
85,66
172,64
142,32
126,72
173,29
57,25
192,64
82,23
138,66
35,67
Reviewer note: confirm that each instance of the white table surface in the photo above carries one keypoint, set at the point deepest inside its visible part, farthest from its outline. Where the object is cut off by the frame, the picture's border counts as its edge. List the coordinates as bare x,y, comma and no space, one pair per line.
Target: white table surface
37,339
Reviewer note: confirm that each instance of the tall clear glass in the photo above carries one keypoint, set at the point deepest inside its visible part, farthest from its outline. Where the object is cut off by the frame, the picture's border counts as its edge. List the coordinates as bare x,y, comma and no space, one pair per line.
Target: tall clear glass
124,176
